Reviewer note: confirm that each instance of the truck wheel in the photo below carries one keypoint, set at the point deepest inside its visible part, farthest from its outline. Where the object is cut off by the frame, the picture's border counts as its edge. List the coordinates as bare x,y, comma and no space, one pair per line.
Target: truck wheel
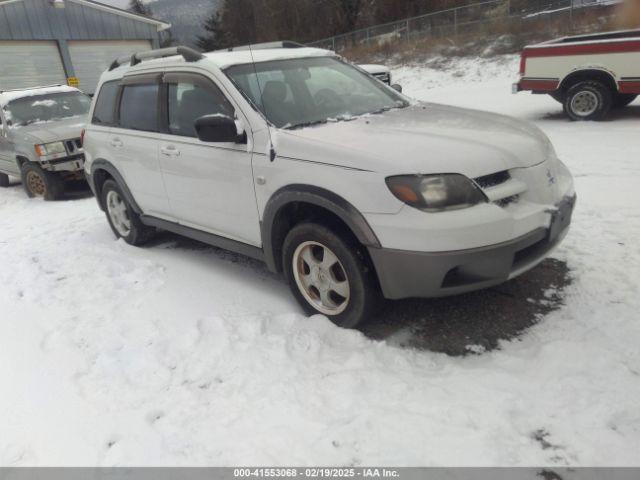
4,180
621,100
124,221
329,275
589,100
40,183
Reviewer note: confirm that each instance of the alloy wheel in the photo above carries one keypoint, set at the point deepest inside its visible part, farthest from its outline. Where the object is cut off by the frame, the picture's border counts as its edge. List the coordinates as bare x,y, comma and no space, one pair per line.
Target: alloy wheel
321,278
35,184
118,213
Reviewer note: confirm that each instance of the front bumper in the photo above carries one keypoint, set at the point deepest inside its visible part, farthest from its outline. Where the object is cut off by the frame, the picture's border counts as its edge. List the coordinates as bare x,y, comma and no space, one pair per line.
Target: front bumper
68,164
405,274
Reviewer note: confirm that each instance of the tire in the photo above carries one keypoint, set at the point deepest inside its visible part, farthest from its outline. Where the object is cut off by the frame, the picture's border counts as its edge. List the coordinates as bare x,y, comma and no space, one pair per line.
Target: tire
4,180
588,100
350,275
40,183
621,100
123,220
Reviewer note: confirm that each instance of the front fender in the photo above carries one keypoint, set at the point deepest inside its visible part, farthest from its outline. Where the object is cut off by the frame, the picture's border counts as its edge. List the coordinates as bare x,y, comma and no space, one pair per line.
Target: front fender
315,196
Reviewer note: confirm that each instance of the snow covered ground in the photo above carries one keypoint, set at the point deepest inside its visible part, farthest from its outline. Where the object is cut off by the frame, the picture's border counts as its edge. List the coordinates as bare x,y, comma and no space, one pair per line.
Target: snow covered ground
180,354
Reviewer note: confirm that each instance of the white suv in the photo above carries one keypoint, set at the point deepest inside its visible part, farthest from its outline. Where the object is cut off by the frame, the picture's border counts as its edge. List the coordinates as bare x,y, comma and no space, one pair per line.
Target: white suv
295,157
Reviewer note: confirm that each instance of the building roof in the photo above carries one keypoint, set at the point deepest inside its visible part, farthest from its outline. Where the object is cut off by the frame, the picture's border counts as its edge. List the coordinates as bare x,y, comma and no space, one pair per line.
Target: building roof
110,9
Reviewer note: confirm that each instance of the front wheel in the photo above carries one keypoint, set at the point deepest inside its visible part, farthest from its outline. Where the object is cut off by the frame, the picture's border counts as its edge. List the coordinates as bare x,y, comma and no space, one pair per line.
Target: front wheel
4,180
329,275
124,221
40,183
588,100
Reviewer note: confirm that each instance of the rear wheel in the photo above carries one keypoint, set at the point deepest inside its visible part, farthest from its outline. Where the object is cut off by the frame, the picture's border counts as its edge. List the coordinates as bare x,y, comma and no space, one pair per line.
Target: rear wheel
40,183
4,180
621,100
588,100
124,221
329,275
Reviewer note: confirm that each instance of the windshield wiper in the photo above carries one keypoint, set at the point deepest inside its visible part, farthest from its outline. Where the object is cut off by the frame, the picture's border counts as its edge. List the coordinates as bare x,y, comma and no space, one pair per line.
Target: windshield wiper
386,109
380,110
305,124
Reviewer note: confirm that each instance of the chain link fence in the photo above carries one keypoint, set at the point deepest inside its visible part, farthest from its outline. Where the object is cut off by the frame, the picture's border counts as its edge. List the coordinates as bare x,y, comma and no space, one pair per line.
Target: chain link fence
462,20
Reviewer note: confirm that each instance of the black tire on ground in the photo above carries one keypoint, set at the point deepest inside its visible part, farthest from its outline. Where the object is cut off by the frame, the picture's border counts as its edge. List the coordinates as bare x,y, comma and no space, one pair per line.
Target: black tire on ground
588,100
40,183
4,180
138,232
363,287
621,100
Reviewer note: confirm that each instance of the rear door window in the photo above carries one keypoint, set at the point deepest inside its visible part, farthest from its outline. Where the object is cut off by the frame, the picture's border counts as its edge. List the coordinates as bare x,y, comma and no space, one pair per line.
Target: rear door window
139,107
105,109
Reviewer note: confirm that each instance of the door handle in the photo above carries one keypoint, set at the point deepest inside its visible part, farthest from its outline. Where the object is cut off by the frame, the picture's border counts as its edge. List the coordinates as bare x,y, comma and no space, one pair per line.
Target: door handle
170,151
116,142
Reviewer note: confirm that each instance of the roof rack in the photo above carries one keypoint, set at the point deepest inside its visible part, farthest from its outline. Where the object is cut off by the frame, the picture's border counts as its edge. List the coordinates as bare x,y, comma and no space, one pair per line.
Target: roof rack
189,54
33,88
265,46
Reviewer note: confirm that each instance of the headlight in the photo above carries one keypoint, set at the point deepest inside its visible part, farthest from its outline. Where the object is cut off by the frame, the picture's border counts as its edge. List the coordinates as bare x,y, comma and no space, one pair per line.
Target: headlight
46,149
436,193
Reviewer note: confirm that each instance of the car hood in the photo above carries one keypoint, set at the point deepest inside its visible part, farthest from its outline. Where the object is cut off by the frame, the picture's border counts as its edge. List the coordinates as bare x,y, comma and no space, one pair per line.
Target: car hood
422,138
55,130
374,68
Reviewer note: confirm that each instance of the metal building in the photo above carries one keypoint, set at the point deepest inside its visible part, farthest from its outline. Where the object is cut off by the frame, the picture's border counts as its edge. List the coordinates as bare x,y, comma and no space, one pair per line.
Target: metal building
45,42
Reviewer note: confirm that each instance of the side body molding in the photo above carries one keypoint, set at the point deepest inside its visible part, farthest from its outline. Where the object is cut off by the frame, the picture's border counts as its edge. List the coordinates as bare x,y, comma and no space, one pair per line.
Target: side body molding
101,164
315,196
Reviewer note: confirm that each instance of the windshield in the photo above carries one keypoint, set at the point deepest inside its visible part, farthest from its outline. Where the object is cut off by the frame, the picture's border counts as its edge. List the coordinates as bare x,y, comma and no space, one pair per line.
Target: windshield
307,91
46,108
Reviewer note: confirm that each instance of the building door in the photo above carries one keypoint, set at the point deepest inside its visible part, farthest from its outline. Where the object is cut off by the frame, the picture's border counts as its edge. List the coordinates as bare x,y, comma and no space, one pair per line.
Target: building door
91,58
30,64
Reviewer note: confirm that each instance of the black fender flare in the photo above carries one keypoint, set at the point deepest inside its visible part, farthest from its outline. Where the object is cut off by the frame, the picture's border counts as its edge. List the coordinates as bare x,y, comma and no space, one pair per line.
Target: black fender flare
315,196
101,164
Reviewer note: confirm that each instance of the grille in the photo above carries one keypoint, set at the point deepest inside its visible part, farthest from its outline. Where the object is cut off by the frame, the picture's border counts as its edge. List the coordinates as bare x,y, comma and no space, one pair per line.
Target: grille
488,181
73,146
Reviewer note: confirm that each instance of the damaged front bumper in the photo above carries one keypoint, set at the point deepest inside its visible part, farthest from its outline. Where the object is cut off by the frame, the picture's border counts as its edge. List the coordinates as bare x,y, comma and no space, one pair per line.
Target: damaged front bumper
68,164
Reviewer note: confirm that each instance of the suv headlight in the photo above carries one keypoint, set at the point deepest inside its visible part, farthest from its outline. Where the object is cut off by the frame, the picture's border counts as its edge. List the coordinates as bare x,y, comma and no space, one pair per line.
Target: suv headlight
436,193
54,148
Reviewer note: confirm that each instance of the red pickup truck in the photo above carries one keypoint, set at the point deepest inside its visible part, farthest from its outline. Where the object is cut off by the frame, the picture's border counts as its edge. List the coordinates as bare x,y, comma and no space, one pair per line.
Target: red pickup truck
588,74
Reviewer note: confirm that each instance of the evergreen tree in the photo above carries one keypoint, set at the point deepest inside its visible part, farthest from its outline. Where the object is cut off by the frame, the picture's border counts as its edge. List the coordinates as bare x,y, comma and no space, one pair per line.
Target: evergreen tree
215,37
136,6
166,39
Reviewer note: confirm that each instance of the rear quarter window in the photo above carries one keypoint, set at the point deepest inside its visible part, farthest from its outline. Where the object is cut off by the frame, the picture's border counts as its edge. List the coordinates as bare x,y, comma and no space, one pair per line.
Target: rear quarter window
105,109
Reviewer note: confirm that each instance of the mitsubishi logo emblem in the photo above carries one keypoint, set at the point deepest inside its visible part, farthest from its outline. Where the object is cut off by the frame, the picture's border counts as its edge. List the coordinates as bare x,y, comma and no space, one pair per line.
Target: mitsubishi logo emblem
551,178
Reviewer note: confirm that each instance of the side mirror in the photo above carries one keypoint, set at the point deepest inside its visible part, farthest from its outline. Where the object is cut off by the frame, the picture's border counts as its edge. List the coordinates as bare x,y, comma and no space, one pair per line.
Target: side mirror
397,87
218,129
